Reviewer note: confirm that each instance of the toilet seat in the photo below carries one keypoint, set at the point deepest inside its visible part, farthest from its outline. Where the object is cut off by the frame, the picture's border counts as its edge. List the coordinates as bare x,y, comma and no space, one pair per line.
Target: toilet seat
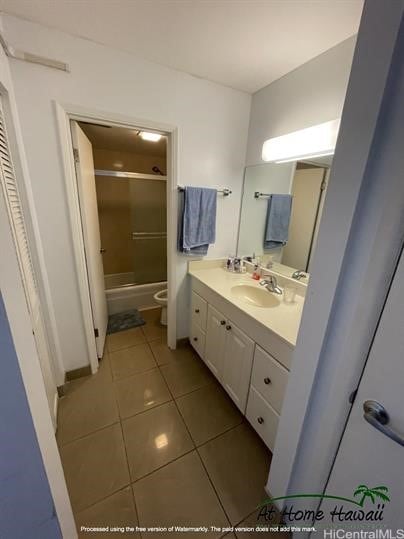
161,298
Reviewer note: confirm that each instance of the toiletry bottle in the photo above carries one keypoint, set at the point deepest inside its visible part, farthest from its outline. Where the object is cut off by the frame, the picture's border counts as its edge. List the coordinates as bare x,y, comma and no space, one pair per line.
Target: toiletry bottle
230,263
256,273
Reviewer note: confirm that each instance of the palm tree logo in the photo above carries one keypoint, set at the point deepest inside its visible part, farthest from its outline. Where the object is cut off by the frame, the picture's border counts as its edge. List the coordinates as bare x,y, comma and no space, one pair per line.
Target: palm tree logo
372,493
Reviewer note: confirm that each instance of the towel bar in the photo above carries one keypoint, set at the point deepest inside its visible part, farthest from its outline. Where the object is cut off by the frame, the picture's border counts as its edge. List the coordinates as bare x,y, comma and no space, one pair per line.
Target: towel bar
257,194
226,192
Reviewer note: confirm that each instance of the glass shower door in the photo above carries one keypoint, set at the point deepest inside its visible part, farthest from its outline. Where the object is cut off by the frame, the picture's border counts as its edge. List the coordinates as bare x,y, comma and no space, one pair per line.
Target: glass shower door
148,230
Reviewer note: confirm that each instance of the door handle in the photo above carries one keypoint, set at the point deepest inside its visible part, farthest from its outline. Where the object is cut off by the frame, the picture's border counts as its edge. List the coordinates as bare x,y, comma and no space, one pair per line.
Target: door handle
102,250
376,414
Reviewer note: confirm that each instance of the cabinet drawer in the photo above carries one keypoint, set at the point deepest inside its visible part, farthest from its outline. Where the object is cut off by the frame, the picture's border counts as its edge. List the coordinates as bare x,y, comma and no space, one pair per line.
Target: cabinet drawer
269,377
262,417
197,339
199,308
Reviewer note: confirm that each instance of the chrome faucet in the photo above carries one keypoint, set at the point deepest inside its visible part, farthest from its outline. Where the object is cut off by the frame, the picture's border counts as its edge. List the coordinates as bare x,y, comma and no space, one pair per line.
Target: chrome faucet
299,274
271,284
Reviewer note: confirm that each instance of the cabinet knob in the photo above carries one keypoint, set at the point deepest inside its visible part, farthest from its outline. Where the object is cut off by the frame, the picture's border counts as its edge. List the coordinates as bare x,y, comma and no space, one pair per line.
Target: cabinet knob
197,311
228,327
195,339
260,420
222,322
267,380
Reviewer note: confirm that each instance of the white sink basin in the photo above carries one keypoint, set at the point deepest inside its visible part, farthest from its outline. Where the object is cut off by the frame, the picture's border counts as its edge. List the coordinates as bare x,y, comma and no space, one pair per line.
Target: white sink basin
258,297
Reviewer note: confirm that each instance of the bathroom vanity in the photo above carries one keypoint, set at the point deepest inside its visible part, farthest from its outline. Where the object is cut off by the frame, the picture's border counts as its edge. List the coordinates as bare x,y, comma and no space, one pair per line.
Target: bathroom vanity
246,336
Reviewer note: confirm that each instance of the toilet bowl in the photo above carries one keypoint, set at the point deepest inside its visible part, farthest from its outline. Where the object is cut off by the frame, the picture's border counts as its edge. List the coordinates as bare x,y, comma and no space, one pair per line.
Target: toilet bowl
161,298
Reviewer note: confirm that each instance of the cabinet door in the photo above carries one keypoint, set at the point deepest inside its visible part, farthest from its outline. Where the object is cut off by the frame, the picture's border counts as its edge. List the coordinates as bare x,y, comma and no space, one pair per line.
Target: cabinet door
197,340
215,341
238,358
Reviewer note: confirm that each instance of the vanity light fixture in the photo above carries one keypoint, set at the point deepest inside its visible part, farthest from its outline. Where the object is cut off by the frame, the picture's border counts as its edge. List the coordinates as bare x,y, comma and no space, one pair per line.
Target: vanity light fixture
151,137
316,141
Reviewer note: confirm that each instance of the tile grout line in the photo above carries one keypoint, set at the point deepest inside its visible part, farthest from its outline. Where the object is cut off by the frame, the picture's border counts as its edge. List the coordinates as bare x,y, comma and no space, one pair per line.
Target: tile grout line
124,446
201,445
197,452
120,420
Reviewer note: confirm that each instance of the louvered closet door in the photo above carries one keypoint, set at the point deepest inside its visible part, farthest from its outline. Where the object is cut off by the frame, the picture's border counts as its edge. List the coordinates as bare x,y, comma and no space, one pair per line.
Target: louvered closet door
17,224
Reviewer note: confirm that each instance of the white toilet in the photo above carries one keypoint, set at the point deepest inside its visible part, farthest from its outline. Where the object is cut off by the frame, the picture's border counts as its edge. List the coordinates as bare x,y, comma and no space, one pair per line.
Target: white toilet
161,298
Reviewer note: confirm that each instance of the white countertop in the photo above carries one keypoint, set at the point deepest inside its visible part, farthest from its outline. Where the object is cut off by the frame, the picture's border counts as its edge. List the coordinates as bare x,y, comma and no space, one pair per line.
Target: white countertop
284,319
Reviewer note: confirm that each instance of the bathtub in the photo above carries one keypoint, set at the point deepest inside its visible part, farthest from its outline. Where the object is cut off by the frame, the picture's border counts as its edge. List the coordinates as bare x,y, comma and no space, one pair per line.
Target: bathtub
123,298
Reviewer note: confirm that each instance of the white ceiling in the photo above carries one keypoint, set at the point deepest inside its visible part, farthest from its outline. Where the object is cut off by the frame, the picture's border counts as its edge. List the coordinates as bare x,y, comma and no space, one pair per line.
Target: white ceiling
122,140
245,44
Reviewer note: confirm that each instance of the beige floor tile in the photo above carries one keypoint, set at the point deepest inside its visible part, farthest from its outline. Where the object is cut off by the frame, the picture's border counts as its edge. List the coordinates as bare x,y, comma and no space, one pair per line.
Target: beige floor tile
238,464
140,392
254,521
153,330
116,510
186,374
155,438
163,355
95,466
179,494
208,412
89,404
131,360
125,339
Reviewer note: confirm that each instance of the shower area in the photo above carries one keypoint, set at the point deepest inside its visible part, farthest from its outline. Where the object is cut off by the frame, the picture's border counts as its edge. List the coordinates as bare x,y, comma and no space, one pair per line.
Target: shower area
130,178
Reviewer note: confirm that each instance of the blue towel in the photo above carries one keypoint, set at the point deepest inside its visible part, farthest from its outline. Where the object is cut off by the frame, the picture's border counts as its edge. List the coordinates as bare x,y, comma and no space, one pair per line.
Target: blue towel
197,221
277,221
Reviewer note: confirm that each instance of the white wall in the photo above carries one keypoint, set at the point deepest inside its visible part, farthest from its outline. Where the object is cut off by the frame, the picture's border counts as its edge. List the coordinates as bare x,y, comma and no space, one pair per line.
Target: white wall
311,94
212,122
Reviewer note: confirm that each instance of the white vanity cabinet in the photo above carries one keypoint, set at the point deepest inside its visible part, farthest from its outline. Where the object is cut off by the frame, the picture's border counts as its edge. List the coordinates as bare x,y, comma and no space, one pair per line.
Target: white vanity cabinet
215,341
229,355
238,359
199,308
252,363
267,390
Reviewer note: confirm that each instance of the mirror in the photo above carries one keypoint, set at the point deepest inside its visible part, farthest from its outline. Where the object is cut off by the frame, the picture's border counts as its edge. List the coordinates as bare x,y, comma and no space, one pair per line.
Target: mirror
306,182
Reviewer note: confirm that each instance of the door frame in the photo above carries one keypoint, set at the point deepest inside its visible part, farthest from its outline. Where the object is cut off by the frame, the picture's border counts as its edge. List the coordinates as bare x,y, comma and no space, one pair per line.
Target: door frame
360,239
67,112
18,316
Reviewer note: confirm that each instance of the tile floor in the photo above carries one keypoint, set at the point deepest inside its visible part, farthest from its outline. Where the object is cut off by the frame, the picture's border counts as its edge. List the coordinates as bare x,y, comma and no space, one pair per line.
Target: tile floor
153,440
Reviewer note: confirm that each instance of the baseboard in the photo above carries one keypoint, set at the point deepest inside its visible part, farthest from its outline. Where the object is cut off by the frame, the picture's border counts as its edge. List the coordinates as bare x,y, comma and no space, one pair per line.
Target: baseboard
77,373
182,342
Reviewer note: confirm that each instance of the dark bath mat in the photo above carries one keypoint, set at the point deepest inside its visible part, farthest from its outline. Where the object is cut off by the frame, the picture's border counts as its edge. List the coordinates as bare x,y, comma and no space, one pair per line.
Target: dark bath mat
126,320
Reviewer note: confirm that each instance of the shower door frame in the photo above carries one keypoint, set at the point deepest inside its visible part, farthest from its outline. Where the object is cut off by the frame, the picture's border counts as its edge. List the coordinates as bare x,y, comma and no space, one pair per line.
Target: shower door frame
67,112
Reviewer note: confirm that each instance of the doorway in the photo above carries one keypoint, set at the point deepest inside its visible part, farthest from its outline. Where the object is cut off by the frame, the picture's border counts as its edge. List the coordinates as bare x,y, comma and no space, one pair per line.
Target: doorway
122,190
308,190
64,115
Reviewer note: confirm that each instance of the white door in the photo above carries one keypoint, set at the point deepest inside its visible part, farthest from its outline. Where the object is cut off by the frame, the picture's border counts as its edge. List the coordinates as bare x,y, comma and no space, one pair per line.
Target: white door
238,358
17,224
370,462
215,341
306,191
91,233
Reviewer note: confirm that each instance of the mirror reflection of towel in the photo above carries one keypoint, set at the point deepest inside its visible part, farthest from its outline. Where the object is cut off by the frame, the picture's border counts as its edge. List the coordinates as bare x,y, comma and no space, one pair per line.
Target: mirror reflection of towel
277,221
197,223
